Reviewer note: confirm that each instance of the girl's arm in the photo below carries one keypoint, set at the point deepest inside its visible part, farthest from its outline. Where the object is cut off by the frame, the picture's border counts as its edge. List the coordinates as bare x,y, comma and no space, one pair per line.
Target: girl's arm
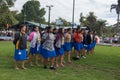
31,36
16,37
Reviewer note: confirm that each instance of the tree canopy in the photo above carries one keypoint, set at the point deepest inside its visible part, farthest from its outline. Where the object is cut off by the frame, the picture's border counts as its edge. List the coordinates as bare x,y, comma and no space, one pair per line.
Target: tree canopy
32,12
6,17
92,22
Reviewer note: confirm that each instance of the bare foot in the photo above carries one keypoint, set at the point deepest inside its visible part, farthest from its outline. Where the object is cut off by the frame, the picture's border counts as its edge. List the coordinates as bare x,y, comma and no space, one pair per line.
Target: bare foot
37,64
64,62
24,68
16,68
57,65
31,65
69,62
61,65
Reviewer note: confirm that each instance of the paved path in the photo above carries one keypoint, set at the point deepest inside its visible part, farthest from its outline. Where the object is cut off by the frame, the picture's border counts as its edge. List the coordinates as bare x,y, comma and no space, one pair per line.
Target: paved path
109,44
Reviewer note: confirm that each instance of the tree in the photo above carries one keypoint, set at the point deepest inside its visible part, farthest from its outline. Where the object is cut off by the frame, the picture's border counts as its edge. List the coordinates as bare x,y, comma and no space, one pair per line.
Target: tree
6,17
32,11
117,7
10,3
91,20
100,26
19,17
93,23
82,19
65,22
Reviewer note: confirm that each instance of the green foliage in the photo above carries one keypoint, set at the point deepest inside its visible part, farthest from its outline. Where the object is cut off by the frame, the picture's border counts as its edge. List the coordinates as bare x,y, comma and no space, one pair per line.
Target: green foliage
65,22
82,19
9,3
32,11
100,26
19,17
91,18
93,23
6,16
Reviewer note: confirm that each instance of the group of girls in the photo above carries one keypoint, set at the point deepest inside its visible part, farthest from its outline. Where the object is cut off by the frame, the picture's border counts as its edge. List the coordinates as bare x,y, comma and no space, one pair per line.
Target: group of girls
53,45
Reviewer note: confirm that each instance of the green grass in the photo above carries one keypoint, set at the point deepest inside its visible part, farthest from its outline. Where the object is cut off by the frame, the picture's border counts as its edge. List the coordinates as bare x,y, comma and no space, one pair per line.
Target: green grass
103,65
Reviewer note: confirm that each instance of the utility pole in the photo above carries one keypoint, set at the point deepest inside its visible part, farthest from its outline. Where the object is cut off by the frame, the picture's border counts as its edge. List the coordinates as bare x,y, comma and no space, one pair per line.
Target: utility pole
49,13
73,15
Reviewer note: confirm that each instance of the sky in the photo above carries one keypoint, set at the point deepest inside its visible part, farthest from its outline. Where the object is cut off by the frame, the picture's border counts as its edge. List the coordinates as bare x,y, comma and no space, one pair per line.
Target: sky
63,8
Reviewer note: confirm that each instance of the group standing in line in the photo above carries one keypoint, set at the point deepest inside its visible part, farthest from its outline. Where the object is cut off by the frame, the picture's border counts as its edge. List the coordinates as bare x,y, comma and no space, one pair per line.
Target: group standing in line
52,46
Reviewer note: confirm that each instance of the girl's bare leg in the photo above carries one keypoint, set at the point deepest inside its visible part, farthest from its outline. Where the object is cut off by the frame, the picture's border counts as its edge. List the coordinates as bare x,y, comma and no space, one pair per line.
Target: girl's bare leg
61,60
56,61
36,60
15,65
30,60
23,64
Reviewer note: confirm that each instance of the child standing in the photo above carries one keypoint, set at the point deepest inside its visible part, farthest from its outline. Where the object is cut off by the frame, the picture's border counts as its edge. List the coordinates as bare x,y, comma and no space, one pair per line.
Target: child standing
48,50
94,41
35,44
59,42
67,45
20,41
77,43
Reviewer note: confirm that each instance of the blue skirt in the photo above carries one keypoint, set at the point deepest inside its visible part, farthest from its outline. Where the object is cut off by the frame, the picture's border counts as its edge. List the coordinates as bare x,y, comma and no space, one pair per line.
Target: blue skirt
40,50
59,51
77,46
82,46
48,54
93,44
67,46
88,47
72,44
35,51
20,54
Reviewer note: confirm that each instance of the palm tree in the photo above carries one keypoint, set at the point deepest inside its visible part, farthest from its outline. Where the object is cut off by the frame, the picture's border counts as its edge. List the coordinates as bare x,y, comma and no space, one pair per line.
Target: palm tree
8,3
100,26
117,7
82,19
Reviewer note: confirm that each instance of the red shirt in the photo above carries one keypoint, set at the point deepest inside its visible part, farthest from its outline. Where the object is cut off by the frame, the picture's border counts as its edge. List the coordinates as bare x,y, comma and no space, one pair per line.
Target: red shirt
77,37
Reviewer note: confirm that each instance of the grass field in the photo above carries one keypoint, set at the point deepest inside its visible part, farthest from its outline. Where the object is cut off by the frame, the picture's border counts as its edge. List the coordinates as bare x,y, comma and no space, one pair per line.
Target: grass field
103,65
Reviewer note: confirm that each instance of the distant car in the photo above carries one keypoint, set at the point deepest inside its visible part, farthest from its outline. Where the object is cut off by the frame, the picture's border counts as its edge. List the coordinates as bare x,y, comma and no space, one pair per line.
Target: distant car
5,38
115,39
101,39
107,40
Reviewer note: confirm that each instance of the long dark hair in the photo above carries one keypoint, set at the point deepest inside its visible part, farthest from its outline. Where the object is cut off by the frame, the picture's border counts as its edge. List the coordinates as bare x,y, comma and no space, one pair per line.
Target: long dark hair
21,26
69,29
78,29
34,28
61,34
74,30
48,29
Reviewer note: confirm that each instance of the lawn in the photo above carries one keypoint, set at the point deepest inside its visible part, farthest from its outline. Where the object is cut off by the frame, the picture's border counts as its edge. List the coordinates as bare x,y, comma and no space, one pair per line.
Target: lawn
103,65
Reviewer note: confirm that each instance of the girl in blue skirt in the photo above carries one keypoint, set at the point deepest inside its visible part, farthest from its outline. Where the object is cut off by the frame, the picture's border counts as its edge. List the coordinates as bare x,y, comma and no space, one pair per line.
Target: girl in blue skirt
48,50
87,42
82,51
20,41
72,40
77,36
67,45
93,44
35,45
59,42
